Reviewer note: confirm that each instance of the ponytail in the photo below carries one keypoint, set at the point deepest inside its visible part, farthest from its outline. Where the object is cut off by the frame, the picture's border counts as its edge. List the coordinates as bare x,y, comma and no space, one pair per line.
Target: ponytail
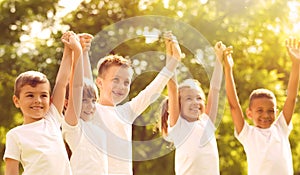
164,117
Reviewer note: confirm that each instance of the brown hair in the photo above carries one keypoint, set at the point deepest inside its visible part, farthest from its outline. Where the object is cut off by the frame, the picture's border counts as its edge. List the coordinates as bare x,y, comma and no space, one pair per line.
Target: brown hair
261,93
32,78
164,117
112,60
89,90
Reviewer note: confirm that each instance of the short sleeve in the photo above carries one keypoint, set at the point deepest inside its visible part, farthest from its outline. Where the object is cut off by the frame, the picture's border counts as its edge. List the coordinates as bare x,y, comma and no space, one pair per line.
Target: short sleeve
242,135
71,134
54,114
281,123
12,147
180,131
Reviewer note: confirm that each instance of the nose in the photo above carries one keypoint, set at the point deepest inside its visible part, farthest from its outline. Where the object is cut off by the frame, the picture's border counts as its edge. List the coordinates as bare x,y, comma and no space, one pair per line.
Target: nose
196,101
90,105
37,100
122,86
265,115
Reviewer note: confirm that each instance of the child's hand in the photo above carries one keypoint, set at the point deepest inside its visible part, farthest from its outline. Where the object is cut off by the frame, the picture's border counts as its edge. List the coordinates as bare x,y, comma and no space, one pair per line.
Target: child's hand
168,41
85,41
293,48
219,50
65,37
228,61
71,40
172,46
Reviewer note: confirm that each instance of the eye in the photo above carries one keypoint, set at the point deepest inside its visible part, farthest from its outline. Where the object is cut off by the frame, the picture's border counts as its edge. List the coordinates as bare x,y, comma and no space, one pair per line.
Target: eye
188,98
260,111
199,98
84,100
271,111
44,96
30,95
116,80
126,83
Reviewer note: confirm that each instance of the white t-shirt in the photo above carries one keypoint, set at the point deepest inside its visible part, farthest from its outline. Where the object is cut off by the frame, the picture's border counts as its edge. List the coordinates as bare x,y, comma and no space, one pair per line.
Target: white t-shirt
86,157
39,146
268,150
196,147
117,122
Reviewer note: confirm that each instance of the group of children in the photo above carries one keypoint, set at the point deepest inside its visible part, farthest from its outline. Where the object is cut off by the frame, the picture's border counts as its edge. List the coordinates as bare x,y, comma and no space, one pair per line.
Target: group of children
98,128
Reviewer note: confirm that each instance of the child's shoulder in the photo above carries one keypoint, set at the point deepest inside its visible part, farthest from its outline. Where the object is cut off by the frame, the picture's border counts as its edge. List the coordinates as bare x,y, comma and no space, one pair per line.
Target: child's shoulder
53,113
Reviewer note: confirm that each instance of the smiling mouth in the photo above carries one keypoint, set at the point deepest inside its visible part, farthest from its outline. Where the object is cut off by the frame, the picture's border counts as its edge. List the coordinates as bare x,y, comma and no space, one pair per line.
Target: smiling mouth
88,113
264,120
36,107
118,94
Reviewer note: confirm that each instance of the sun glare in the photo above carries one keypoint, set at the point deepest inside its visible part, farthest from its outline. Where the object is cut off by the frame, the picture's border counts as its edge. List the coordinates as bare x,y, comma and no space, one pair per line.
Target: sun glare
293,15
67,6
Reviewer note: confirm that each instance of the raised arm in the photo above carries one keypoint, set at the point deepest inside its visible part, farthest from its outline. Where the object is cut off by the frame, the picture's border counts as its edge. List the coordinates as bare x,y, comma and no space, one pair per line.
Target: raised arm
215,83
173,59
72,113
85,41
147,96
62,77
293,48
173,102
235,107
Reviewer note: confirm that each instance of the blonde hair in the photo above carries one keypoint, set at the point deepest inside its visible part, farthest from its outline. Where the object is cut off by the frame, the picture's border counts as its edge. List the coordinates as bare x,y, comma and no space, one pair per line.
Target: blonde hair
89,90
112,60
188,83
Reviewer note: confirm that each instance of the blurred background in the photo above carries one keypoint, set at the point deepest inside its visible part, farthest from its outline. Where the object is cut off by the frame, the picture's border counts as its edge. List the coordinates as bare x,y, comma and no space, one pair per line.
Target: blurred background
257,30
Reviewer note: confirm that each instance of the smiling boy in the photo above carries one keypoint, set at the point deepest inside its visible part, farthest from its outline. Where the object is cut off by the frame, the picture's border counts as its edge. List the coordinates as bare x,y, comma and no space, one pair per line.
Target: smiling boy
266,143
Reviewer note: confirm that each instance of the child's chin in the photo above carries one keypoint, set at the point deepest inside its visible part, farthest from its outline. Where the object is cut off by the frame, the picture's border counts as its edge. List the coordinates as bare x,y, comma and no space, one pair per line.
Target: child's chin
118,101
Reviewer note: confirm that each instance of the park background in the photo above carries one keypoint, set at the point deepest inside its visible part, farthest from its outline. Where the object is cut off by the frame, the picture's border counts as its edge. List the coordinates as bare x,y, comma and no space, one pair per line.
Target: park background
257,29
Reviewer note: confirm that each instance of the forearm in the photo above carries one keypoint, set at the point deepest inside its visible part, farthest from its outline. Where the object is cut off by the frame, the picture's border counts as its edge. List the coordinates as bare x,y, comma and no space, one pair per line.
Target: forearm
292,91
235,107
171,63
61,82
150,93
87,66
76,89
64,70
213,95
173,105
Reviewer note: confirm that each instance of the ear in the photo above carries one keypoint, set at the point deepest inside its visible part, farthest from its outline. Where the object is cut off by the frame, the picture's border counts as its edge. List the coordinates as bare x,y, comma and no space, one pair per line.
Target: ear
249,113
66,103
16,101
276,112
99,82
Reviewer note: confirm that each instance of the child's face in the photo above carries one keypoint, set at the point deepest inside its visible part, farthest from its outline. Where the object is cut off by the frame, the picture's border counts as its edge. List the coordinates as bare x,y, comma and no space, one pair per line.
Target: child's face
262,112
114,85
33,102
192,104
88,108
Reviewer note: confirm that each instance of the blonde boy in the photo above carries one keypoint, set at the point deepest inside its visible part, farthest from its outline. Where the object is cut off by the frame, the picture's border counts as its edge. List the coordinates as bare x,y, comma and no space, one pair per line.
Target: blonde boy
114,79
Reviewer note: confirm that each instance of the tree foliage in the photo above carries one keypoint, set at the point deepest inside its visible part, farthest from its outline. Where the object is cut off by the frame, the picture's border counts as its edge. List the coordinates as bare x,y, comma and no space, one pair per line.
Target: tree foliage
256,29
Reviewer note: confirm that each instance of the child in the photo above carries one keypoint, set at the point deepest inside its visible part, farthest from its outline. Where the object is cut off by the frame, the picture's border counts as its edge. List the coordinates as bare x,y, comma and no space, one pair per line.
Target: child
191,124
86,157
114,79
38,144
266,143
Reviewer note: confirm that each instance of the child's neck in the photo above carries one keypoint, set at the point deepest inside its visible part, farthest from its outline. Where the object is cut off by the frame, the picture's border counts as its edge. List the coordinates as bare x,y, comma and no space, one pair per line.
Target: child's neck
105,103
